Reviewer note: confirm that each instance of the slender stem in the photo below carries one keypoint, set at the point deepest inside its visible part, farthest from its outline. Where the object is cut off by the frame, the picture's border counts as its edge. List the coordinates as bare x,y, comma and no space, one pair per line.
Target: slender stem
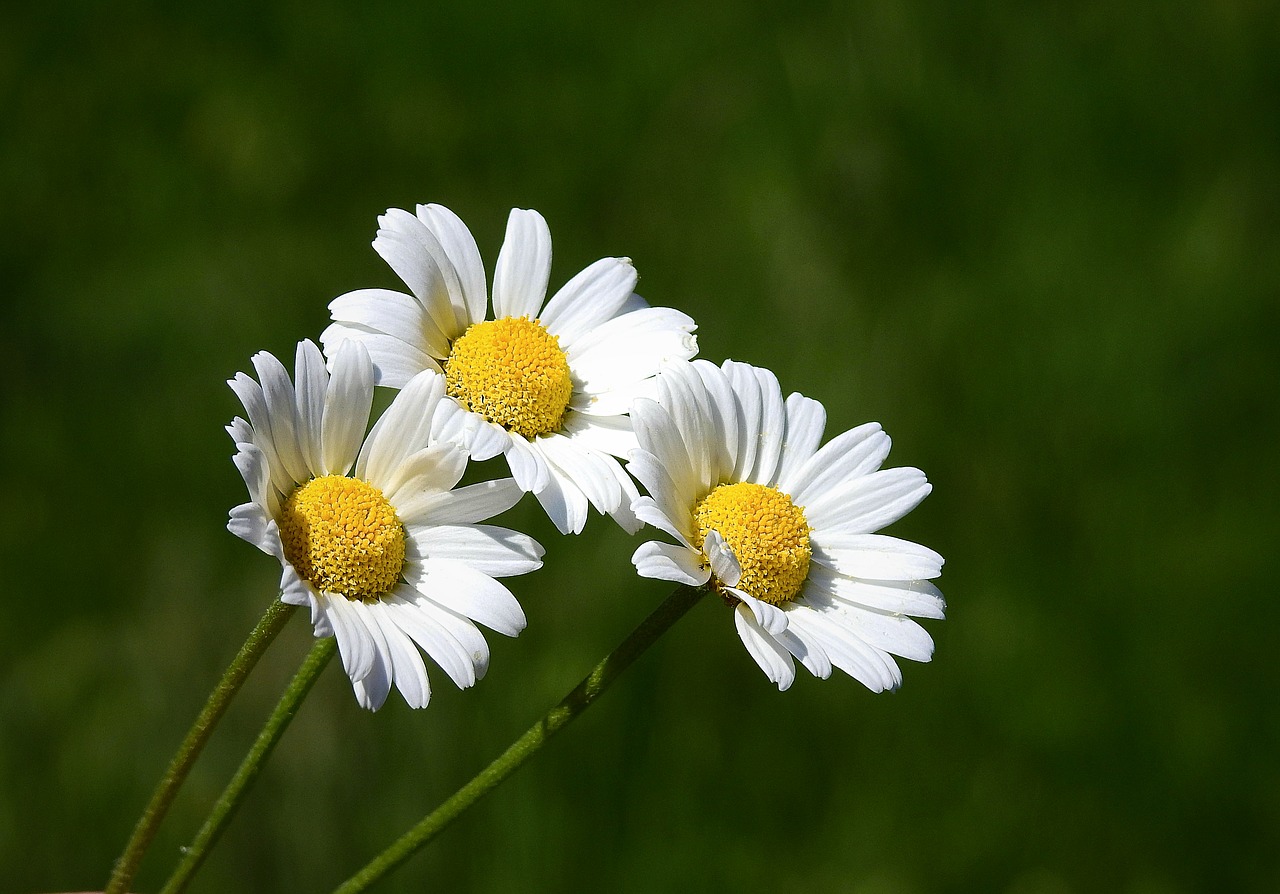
523,748
148,824
231,796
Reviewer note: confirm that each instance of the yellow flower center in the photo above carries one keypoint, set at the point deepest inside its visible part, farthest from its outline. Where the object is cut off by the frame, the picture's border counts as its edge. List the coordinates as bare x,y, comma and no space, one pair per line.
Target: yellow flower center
342,535
511,371
767,533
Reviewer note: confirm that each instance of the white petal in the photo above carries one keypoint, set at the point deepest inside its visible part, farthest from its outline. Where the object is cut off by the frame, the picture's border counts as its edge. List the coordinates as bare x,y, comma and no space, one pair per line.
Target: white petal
806,419
311,381
868,503
371,690
461,250
590,471
804,647
685,398
773,428
251,398
403,428
249,522
724,564
524,266
866,664
431,470
346,407
420,620
394,360
623,515
283,409
648,512
749,406
771,618
355,642
917,598
589,299
669,561
564,502
875,556
467,591
657,433
672,503
296,591
608,434
471,431
497,552
417,256
773,659
393,313
528,465
463,506
407,669
722,407
848,455
252,464
631,346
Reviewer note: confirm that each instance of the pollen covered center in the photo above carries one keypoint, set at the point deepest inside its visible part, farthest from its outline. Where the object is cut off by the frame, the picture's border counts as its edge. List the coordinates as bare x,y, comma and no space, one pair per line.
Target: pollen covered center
767,533
511,371
344,536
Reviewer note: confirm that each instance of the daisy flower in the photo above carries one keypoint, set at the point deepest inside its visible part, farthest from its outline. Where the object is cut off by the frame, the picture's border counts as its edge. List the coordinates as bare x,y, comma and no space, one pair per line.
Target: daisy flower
781,528
374,537
548,383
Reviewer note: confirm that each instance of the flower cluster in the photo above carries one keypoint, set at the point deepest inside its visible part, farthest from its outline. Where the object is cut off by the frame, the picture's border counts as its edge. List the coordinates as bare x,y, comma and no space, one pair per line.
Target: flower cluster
393,557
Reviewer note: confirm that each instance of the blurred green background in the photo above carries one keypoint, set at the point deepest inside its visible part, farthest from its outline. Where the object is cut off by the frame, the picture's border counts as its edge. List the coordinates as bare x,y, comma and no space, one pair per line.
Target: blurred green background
1037,242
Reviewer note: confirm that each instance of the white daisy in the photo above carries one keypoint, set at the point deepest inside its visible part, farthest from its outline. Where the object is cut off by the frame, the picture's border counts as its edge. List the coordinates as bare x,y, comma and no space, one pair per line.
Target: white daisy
374,538
547,384
783,528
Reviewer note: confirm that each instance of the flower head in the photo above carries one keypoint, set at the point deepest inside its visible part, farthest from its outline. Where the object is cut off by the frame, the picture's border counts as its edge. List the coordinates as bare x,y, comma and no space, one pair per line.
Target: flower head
546,382
371,532
783,528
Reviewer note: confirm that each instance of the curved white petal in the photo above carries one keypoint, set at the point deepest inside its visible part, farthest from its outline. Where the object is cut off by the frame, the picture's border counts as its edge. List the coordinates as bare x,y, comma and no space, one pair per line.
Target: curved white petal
463,253
806,418
527,463
311,381
249,393
918,598
647,511
471,431
658,435
346,406
403,428
849,455
524,266
766,651
393,313
283,410
355,643
372,689
420,621
564,502
467,591
491,550
463,506
431,470
418,258
868,503
407,670
724,564
608,434
589,299
395,361
250,523
771,619
669,561
875,556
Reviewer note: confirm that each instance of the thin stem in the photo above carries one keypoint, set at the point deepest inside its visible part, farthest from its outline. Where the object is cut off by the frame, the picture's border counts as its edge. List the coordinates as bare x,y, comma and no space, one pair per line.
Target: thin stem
148,824
231,796
523,748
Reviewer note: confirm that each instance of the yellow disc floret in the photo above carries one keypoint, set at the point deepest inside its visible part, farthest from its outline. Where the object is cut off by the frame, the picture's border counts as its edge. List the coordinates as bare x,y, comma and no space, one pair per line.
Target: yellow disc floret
344,536
767,533
511,371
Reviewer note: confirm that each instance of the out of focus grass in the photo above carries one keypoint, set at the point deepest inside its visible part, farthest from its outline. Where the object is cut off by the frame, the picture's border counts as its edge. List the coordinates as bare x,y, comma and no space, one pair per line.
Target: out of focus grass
1039,245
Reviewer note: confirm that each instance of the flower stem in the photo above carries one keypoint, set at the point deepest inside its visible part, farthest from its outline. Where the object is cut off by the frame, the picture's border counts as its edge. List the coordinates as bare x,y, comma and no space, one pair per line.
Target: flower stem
523,748
231,796
144,832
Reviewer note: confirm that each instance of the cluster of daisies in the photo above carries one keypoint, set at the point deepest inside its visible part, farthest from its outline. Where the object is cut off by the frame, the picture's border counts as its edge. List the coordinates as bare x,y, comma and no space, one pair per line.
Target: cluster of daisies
394,558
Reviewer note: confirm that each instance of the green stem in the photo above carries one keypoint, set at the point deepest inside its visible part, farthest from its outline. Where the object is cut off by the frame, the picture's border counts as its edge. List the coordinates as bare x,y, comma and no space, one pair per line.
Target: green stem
523,748
148,824
231,796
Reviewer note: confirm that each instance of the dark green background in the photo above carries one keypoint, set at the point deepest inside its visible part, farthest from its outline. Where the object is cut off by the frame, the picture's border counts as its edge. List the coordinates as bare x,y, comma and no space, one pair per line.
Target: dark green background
1038,242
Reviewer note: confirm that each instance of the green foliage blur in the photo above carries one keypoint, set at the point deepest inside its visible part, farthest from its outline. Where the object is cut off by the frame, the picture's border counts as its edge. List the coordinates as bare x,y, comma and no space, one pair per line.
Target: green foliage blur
1038,242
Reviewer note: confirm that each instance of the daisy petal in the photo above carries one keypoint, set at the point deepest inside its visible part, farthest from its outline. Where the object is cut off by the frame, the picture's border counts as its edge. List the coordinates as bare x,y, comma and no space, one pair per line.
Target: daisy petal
392,313
403,428
849,455
467,591
355,642
463,506
419,621
394,360
771,618
524,266
875,556
869,503
311,381
723,562
564,502
667,561
592,297
772,658
497,552
463,253
346,407
407,669
372,689
806,419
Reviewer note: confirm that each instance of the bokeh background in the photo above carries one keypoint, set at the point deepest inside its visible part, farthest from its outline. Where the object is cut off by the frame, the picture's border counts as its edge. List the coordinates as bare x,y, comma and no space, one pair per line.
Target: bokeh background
1038,242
